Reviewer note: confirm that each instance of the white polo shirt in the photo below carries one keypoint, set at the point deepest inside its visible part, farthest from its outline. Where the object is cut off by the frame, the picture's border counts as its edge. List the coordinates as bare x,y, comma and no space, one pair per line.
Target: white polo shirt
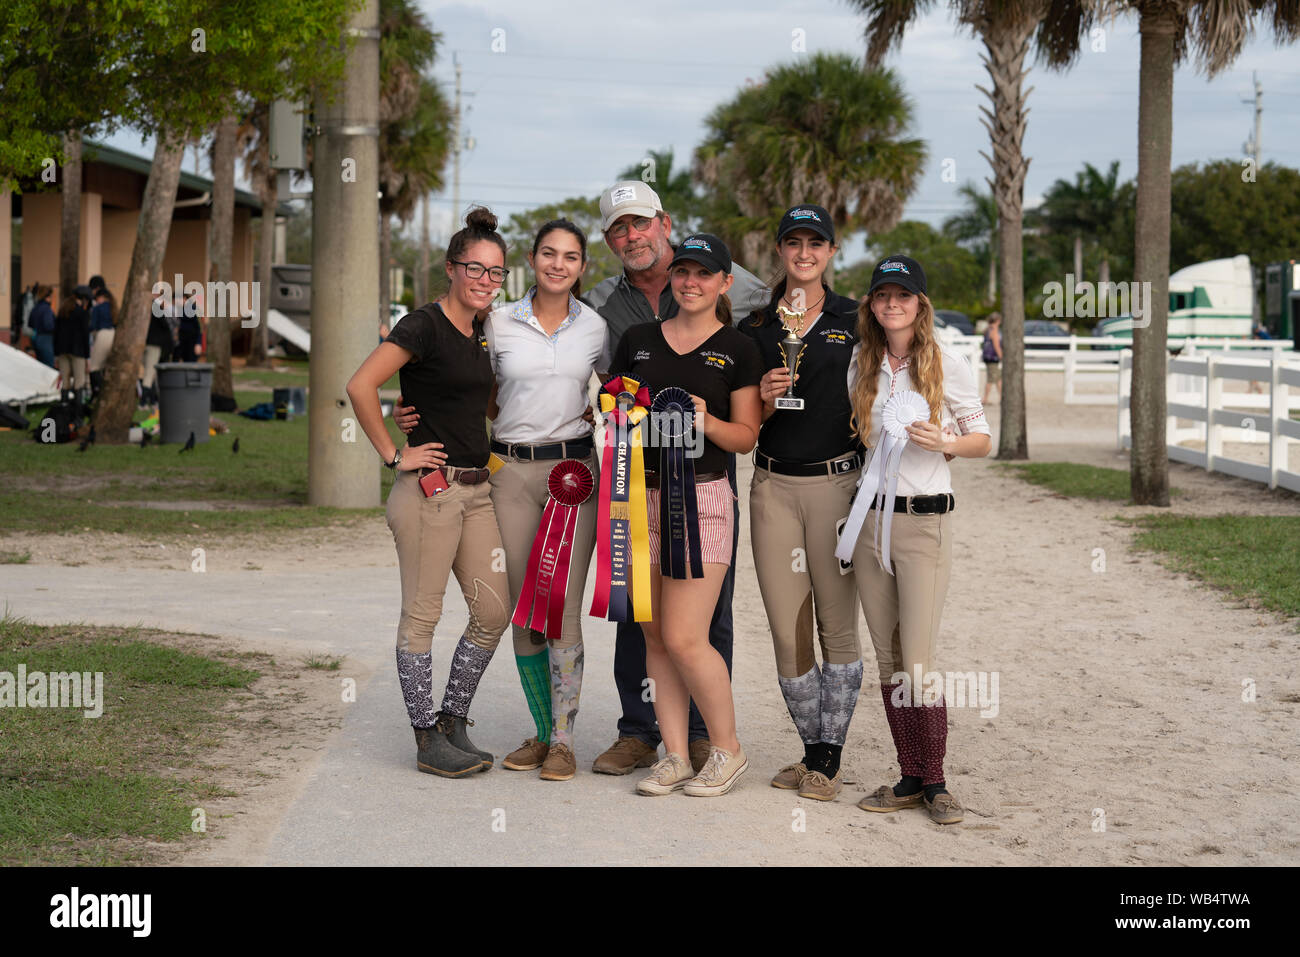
921,472
542,379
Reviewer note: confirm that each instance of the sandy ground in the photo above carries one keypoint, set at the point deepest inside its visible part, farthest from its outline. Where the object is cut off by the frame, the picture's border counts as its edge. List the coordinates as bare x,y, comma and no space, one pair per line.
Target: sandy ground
1121,734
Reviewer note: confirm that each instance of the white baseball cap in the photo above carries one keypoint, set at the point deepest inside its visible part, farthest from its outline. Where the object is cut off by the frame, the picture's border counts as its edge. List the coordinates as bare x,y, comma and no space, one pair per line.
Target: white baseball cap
628,198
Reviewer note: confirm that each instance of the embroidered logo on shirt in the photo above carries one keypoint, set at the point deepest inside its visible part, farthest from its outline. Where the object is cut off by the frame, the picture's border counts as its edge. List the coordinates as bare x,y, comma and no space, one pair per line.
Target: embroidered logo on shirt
482,341
836,335
717,359
641,356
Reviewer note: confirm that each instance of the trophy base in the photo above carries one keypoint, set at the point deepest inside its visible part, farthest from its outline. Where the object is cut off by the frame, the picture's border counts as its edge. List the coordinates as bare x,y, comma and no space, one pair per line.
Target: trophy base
789,402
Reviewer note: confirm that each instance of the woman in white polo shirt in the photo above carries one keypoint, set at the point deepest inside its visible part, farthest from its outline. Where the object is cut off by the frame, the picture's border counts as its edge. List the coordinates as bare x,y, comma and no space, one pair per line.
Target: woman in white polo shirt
902,564
543,349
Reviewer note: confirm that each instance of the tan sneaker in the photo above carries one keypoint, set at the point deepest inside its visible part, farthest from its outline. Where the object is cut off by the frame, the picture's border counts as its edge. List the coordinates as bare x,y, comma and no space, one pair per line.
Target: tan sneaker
719,775
527,757
790,777
666,776
944,809
560,764
699,753
884,799
817,786
624,756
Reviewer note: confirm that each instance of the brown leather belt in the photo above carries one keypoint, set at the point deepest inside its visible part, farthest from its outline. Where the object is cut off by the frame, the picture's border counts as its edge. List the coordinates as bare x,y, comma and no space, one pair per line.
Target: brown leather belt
652,478
463,476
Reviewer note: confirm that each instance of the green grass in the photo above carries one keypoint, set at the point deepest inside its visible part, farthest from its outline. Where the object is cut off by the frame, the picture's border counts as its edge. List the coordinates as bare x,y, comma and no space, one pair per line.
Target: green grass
49,488
324,662
1075,480
15,558
1252,557
90,790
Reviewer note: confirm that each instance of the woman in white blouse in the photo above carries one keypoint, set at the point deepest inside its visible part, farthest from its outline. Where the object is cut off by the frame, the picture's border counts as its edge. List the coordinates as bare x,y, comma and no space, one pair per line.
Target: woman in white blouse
902,589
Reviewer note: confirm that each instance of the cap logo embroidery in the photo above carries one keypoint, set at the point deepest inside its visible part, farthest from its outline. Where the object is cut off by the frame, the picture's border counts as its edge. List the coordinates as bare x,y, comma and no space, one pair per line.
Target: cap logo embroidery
805,214
697,244
894,267
622,194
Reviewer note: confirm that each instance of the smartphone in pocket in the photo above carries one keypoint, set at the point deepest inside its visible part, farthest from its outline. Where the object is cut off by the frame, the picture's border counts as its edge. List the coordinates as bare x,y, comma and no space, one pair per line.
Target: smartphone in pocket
433,483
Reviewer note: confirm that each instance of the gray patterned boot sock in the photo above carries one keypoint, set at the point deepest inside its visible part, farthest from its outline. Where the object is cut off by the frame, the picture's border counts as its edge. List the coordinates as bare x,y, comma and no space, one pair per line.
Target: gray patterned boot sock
840,684
415,672
803,696
468,663
566,685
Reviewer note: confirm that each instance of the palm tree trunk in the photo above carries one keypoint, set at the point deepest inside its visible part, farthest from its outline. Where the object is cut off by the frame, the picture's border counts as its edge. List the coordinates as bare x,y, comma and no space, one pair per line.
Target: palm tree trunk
992,296
1103,271
385,246
1005,44
265,265
1078,262
70,227
223,245
1149,465
117,401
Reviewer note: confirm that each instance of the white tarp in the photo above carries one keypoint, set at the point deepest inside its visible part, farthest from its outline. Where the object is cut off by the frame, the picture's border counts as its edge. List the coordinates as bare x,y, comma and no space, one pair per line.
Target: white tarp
286,328
23,379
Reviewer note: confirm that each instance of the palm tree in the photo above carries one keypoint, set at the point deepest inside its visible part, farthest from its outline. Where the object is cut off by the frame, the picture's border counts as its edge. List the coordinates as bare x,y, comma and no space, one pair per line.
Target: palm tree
1086,207
252,142
821,130
978,224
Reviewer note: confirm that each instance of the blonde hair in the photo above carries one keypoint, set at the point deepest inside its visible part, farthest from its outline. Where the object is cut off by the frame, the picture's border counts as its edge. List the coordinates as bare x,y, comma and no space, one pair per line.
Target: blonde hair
925,369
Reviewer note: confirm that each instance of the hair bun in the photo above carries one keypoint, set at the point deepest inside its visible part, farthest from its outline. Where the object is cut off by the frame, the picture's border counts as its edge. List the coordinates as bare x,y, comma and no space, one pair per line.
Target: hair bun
480,218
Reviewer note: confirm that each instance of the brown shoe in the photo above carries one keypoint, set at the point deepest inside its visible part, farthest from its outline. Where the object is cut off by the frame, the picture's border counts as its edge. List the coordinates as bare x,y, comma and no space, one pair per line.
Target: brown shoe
560,764
624,756
790,777
817,786
884,799
699,753
944,809
527,757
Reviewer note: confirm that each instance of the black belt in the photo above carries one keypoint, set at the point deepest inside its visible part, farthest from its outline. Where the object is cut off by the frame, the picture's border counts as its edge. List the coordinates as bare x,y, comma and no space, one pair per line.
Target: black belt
463,476
652,478
830,468
572,449
925,504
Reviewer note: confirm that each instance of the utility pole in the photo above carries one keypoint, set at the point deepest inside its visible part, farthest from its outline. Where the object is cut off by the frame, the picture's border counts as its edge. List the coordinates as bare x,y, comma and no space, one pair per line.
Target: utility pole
455,150
1252,144
422,273
342,468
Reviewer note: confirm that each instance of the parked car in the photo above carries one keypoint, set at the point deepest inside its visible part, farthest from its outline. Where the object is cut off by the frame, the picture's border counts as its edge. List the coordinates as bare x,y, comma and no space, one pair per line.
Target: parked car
1042,327
955,320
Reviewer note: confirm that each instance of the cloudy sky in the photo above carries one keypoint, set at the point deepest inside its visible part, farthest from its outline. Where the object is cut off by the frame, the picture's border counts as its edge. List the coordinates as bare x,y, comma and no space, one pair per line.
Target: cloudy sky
576,90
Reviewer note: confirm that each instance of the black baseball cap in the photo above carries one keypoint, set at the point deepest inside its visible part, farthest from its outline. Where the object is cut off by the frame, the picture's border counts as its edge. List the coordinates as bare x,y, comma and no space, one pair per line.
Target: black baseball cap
807,216
707,250
901,270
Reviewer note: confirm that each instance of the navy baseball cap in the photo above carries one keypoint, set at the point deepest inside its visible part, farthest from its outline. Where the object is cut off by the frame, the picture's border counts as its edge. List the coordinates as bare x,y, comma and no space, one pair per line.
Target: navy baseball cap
707,250
807,216
902,270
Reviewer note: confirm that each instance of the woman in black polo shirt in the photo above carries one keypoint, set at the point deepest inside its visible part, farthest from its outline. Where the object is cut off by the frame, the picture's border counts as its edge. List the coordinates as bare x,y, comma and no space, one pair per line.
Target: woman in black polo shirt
697,351
805,469
439,509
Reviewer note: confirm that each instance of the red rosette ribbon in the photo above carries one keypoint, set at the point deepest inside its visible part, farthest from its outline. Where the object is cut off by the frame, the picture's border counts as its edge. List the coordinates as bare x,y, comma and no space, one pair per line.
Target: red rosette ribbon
541,600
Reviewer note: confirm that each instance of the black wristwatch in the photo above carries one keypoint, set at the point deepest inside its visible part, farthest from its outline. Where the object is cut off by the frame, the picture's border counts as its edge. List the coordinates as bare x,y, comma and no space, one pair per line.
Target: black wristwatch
397,460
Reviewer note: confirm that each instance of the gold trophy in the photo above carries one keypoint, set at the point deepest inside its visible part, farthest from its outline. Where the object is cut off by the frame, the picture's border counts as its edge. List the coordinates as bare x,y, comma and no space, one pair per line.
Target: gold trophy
791,351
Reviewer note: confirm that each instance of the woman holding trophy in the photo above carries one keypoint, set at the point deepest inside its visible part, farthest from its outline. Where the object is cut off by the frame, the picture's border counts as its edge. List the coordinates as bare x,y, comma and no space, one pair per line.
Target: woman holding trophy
805,468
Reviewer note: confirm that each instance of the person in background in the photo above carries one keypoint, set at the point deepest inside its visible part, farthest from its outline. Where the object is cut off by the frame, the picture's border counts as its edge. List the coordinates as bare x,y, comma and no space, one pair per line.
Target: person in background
157,344
42,323
72,342
992,355
189,331
102,333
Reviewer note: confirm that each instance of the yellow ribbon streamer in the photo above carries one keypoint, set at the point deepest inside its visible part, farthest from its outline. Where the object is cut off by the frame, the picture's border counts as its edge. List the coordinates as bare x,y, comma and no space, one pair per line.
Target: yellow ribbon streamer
639,520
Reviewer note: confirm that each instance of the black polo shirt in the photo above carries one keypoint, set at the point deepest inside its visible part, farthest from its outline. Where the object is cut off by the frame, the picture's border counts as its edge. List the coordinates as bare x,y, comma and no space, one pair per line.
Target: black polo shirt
820,430
723,363
448,380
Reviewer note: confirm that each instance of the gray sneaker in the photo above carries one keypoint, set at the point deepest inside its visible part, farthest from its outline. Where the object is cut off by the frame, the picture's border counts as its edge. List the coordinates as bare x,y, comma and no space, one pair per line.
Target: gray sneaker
719,775
666,776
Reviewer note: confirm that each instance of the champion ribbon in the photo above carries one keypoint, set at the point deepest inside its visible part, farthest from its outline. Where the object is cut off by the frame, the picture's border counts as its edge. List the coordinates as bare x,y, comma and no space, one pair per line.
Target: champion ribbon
622,526
679,513
902,409
541,601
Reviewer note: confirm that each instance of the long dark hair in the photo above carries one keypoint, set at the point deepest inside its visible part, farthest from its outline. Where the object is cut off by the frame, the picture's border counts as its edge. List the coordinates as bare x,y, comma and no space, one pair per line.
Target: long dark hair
568,227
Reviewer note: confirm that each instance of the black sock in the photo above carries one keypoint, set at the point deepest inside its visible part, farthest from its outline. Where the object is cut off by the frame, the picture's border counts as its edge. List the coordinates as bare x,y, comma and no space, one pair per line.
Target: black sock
808,758
832,760
816,757
909,784
932,789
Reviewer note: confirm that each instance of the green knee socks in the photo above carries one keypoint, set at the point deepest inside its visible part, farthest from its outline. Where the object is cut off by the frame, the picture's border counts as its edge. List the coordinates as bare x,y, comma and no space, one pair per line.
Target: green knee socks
535,676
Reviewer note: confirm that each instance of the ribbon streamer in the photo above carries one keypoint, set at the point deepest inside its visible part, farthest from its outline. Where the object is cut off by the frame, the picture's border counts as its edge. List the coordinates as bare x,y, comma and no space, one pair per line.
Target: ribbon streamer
541,600
622,526
679,513
902,409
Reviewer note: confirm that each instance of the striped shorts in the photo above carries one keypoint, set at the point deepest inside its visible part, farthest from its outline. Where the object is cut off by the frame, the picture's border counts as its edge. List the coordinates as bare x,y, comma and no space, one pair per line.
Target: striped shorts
714,500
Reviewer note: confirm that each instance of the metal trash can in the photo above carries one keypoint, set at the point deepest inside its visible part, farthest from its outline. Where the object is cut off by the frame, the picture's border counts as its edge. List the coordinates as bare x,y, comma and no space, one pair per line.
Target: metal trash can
184,400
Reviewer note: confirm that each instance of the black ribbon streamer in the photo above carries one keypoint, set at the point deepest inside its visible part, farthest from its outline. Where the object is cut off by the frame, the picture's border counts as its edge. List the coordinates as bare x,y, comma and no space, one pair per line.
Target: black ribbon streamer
679,514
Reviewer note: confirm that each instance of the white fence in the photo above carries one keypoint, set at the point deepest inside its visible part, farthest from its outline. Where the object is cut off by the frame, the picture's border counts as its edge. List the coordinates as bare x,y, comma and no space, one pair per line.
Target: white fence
1194,391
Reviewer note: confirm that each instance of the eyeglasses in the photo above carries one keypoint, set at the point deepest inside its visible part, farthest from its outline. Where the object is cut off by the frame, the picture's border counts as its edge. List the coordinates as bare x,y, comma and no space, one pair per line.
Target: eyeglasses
476,270
640,224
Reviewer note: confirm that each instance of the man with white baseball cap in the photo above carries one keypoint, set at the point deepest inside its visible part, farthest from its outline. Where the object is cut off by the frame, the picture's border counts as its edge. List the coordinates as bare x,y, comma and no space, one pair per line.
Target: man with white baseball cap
637,229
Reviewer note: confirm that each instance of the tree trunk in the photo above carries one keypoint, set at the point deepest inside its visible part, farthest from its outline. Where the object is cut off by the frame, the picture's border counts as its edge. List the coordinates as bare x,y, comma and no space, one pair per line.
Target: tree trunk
1149,473
223,245
117,400
1103,271
422,274
1078,262
70,228
993,272
1005,45
265,264
385,247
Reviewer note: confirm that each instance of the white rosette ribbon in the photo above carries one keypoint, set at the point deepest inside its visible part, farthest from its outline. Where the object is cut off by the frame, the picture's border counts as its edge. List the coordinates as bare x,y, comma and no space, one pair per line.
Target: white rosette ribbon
902,409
